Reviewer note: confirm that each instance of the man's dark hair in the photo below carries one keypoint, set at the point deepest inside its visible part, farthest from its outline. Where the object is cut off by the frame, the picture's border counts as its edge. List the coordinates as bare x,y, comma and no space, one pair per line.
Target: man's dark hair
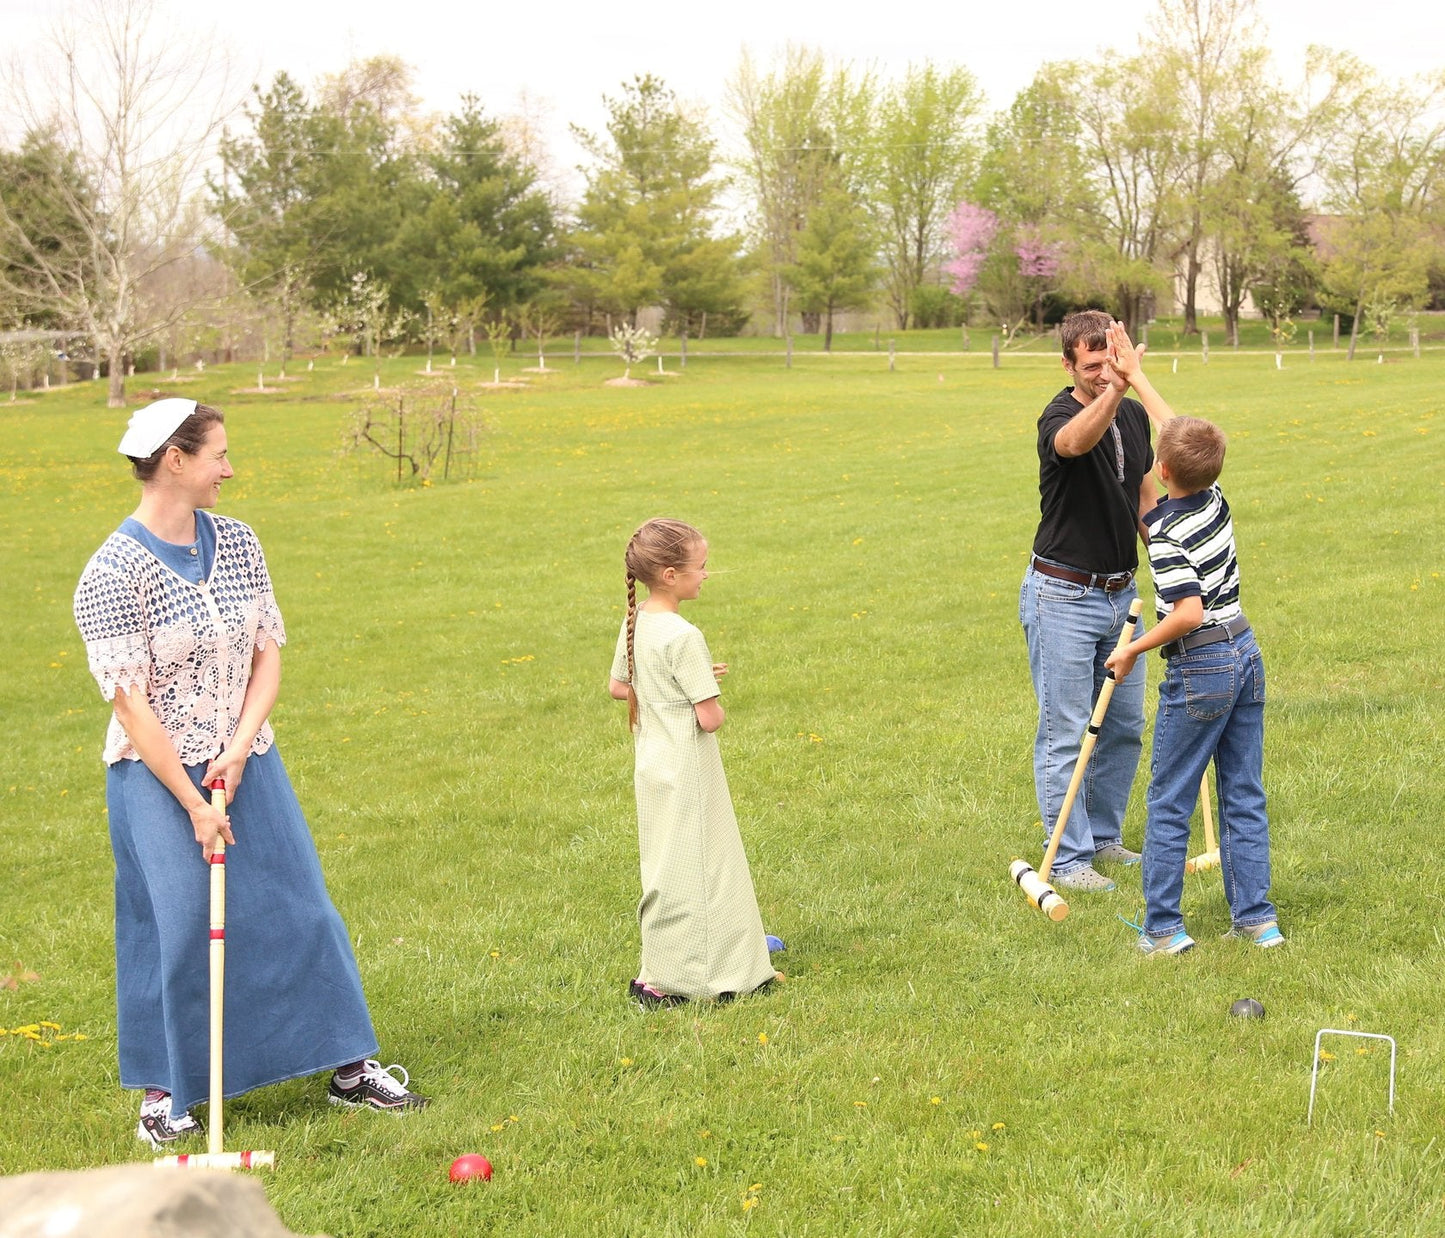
1087,327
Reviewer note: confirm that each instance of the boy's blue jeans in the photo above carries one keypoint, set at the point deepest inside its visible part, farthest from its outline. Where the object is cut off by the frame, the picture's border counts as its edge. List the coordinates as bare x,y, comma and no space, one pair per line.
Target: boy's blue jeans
1071,629
1211,704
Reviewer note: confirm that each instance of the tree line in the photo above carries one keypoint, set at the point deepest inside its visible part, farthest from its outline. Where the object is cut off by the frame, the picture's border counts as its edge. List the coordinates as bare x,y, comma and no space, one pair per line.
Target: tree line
141,220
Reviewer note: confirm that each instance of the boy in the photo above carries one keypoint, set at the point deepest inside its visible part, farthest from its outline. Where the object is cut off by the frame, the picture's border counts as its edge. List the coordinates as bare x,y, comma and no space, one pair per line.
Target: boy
1211,701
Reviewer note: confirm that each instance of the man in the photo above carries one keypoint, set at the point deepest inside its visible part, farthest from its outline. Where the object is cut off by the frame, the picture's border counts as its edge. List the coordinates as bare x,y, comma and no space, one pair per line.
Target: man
1094,486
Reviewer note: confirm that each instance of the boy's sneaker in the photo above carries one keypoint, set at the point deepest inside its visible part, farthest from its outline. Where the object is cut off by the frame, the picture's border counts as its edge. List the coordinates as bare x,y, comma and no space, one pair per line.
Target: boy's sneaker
159,1126
1168,943
1117,853
1085,877
1262,935
377,1087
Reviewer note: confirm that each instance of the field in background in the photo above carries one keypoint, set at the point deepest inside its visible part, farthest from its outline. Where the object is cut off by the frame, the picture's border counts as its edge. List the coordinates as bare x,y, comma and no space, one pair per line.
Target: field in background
941,1058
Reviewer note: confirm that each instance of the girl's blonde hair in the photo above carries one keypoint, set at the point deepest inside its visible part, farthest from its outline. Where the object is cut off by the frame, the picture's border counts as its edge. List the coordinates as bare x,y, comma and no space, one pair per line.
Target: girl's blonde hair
657,545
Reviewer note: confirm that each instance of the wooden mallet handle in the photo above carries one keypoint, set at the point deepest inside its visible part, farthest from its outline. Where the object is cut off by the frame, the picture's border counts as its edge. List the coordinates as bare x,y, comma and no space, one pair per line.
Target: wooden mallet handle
218,974
1091,737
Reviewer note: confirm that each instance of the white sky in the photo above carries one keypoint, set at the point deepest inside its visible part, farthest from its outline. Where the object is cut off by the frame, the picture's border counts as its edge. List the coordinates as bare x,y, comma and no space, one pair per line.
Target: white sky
565,54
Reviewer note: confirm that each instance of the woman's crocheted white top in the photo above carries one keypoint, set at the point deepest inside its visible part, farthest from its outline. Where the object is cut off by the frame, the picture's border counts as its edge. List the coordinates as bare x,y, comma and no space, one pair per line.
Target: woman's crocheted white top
188,646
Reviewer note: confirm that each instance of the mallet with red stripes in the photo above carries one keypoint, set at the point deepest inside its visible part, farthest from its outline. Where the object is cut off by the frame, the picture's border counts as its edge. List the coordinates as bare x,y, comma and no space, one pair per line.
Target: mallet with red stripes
214,1157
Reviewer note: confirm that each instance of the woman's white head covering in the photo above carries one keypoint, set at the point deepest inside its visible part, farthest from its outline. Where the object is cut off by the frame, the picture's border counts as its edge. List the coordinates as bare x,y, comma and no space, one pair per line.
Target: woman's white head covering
150,426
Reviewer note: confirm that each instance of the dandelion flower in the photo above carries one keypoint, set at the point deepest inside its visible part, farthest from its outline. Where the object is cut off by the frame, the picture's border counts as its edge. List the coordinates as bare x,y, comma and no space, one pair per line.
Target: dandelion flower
981,1146
860,1104
998,1126
749,1202
762,1038
975,1134
1326,1056
626,1061
700,1162
756,1187
1379,1134
496,1126
935,1100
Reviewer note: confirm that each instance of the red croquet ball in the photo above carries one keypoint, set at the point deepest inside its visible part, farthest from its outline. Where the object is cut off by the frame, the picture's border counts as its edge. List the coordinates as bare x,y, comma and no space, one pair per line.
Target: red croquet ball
470,1167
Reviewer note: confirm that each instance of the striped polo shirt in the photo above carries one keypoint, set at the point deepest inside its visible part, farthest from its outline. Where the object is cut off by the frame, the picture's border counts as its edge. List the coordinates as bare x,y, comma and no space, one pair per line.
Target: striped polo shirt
1191,554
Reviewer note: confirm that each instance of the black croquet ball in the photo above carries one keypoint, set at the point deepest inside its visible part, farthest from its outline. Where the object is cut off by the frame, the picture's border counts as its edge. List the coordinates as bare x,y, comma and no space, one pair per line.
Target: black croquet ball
1247,1008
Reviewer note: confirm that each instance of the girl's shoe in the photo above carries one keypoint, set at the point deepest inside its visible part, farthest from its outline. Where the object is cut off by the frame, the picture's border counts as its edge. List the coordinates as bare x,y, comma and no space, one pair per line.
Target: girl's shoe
649,998
1262,935
159,1126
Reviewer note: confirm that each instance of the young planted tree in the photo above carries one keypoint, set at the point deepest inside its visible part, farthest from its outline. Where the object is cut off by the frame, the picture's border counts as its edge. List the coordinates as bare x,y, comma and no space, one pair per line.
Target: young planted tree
633,344
130,112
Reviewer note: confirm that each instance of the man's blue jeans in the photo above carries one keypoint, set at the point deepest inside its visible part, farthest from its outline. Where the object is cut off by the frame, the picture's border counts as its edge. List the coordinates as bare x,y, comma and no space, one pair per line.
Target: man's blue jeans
1211,704
1071,629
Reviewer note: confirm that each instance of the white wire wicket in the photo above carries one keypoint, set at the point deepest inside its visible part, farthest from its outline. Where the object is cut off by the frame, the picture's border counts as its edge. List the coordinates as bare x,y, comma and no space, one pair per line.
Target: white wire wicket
1315,1071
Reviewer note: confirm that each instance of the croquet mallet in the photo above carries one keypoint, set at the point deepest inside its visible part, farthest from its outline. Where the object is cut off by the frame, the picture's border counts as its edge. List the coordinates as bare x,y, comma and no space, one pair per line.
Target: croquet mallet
1209,857
1036,884
213,1157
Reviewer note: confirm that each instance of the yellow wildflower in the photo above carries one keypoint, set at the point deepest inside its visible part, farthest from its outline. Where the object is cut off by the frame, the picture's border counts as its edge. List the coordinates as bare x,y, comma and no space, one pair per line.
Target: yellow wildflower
982,1147
998,1126
627,1061
935,1100
749,1202
860,1104
762,1038
700,1162
1326,1056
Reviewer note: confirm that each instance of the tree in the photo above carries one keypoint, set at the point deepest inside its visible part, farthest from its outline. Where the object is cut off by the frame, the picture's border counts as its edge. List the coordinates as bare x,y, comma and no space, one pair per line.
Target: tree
1387,182
136,115
804,126
645,227
1128,114
483,225
971,230
1211,51
272,196
835,267
925,153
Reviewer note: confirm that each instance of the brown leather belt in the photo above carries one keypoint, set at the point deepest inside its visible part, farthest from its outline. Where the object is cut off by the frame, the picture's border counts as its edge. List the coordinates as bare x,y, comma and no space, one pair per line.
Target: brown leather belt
1110,582
1211,635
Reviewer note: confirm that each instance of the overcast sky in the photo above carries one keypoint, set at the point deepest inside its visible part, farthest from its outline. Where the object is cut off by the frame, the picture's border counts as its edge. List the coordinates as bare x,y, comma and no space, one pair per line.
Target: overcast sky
564,55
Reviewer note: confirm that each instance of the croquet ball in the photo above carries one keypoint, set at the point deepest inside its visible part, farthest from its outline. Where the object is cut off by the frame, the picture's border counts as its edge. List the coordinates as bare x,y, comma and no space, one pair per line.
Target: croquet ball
470,1167
1247,1008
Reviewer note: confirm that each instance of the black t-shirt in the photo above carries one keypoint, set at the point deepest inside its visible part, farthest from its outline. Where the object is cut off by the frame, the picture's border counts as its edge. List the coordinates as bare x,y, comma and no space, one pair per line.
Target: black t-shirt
1088,517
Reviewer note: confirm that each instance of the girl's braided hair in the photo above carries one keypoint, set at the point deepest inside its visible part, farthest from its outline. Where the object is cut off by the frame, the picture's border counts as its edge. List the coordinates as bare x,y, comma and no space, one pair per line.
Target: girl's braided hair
657,545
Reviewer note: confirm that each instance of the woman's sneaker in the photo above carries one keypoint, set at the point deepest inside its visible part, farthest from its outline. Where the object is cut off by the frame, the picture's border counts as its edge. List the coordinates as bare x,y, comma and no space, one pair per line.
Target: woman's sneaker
159,1126
375,1086
1167,943
1262,935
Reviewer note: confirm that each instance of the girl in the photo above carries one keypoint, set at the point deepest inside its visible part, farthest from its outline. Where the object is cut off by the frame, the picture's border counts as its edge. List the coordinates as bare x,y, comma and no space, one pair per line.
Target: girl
184,637
702,936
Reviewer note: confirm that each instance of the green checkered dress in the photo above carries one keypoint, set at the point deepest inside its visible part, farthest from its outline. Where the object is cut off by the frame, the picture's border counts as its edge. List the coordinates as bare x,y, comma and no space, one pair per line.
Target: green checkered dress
702,935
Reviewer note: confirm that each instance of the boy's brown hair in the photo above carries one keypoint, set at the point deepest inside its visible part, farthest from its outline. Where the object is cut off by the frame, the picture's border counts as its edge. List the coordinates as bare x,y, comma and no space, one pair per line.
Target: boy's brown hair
1194,451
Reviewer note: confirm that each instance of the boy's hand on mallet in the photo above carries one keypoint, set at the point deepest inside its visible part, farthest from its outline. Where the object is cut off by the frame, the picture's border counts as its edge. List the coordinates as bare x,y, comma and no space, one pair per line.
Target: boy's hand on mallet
1121,664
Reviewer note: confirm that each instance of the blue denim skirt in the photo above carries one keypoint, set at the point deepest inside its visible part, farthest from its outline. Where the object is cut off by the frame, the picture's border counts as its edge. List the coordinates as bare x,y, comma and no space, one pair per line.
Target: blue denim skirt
294,1004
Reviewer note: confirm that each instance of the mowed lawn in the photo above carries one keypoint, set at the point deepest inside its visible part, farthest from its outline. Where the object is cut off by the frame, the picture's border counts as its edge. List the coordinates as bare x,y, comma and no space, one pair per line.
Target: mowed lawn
941,1058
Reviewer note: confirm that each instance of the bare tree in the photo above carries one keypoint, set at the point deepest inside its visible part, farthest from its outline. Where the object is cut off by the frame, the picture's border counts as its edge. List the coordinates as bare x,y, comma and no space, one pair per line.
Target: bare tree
138,110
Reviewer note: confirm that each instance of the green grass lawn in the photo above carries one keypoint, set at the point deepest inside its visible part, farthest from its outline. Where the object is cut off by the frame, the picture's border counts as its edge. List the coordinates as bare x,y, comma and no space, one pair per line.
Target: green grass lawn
941,1059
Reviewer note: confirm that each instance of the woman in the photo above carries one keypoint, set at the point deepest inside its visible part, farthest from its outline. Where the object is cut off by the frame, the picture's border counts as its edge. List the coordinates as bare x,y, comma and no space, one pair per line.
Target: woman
184,636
